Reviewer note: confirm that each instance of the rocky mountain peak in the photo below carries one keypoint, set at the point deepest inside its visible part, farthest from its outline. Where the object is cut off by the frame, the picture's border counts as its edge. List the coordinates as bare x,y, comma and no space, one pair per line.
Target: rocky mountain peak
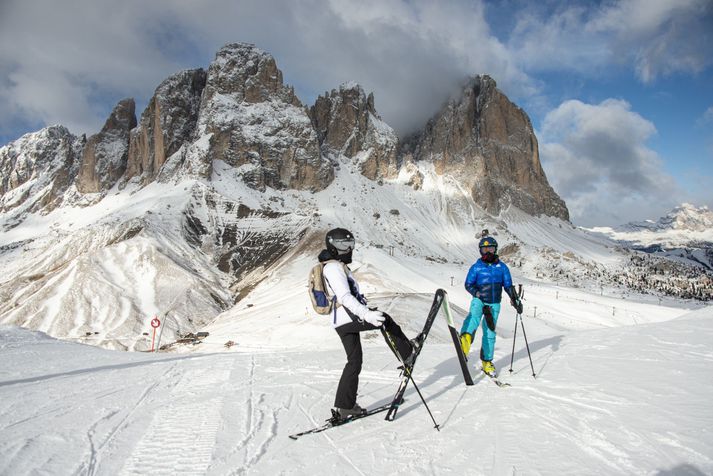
37,168
167,123
105,155
489,143
689,217
248,74
347,124
240,113
251,121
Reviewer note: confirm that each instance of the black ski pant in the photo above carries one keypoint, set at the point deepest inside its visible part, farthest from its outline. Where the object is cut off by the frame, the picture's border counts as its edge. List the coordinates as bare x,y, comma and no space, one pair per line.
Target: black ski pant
349,334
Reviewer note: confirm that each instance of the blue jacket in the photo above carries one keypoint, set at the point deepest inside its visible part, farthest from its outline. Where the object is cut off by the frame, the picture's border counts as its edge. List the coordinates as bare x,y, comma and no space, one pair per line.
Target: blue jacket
486,281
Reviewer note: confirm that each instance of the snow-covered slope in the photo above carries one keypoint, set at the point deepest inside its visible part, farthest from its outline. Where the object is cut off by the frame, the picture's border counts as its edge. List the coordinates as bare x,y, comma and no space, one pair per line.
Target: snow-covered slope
630,399
187,251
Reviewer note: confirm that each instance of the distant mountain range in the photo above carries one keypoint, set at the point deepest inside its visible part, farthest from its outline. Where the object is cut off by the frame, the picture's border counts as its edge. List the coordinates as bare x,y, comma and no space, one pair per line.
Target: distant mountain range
684,234
686,217
684,225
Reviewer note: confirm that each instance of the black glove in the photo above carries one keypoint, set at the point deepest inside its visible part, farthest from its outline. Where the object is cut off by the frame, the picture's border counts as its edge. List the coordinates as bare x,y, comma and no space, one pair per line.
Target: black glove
517,304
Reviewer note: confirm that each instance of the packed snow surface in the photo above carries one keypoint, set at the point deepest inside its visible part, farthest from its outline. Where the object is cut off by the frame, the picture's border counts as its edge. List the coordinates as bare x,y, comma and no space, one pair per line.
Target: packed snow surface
612,395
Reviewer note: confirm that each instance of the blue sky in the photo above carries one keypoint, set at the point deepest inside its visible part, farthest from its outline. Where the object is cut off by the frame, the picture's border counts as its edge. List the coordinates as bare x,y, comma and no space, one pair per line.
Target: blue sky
620,92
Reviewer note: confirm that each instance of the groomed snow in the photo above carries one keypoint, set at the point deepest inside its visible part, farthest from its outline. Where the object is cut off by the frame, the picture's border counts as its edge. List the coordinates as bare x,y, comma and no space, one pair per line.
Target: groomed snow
631,399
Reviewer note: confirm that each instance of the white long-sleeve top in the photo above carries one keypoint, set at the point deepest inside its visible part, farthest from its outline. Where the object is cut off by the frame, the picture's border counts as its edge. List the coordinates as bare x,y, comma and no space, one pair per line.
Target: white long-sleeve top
337,277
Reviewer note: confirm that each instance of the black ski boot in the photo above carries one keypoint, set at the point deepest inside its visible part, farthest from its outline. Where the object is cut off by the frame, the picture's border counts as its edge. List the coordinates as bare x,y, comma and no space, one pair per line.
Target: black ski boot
343,413
416,344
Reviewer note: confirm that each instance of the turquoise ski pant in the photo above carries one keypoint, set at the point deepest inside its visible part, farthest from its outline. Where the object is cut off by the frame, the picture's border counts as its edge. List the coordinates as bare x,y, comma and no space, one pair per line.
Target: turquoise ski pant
473,319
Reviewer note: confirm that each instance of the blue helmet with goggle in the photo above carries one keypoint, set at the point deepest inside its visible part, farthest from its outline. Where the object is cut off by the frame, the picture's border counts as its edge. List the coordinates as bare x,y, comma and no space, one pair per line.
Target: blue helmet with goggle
488,245
340,243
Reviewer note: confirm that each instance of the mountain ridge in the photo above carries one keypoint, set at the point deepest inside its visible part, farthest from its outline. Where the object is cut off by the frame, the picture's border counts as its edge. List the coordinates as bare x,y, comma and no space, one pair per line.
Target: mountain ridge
229,178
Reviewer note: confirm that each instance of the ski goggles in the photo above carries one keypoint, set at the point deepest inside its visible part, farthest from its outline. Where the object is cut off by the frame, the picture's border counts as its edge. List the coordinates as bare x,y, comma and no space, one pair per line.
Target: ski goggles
487,249
343,245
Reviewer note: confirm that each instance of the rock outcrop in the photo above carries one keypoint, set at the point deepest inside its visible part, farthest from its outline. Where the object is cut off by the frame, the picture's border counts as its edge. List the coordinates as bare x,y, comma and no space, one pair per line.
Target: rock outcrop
167,123
347,123
488,143
257,124
37,169
105,155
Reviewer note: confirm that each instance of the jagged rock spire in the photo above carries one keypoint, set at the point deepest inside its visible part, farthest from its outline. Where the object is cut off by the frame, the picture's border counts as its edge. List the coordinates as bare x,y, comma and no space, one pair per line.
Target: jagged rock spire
488,143
347,123
105,156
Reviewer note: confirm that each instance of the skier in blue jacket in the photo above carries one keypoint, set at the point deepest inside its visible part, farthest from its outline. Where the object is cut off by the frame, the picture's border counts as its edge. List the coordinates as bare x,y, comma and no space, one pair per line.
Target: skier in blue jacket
485,281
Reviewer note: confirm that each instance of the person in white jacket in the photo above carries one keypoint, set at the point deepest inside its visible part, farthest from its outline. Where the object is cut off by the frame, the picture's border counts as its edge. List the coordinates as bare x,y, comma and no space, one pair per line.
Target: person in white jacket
352,316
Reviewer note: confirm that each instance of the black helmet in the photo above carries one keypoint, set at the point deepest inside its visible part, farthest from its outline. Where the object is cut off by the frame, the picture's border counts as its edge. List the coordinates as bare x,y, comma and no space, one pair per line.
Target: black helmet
340,243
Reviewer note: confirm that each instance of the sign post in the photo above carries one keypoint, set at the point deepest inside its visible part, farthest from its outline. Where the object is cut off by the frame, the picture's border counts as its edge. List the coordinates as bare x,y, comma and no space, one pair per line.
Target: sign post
155,322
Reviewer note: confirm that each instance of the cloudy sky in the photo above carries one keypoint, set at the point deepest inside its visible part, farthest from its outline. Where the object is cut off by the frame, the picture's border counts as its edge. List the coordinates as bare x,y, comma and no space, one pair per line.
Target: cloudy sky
620,92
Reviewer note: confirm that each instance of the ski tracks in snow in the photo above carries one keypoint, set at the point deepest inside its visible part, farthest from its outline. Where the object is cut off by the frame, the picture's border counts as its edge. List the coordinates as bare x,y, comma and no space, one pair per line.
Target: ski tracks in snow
181,436
251,419
96,450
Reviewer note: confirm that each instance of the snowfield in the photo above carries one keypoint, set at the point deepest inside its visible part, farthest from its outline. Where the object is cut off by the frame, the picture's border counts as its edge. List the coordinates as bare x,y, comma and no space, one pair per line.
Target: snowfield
626,398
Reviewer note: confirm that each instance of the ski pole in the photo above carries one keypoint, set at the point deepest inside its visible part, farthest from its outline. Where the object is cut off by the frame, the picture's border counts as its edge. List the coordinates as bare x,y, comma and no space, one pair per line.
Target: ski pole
514,336
520,293
527,345
435,425
392,345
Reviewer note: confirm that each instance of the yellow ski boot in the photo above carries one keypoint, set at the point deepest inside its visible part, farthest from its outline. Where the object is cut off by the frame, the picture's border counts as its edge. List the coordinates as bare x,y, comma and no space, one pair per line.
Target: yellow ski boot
489,368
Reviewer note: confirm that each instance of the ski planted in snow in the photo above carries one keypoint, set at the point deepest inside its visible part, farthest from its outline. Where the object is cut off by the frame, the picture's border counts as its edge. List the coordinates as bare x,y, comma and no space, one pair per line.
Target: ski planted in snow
456,343
336,421
406,371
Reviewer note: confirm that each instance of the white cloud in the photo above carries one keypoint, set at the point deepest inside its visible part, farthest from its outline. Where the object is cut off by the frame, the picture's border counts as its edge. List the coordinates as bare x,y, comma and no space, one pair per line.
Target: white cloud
596,158
653,37
708,115
59,59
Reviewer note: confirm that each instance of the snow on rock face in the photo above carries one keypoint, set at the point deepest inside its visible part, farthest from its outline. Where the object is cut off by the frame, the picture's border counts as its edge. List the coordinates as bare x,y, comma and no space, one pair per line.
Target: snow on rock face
347,124
105,278
166,124
37,169
105,155
489,144
238,239
255,120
